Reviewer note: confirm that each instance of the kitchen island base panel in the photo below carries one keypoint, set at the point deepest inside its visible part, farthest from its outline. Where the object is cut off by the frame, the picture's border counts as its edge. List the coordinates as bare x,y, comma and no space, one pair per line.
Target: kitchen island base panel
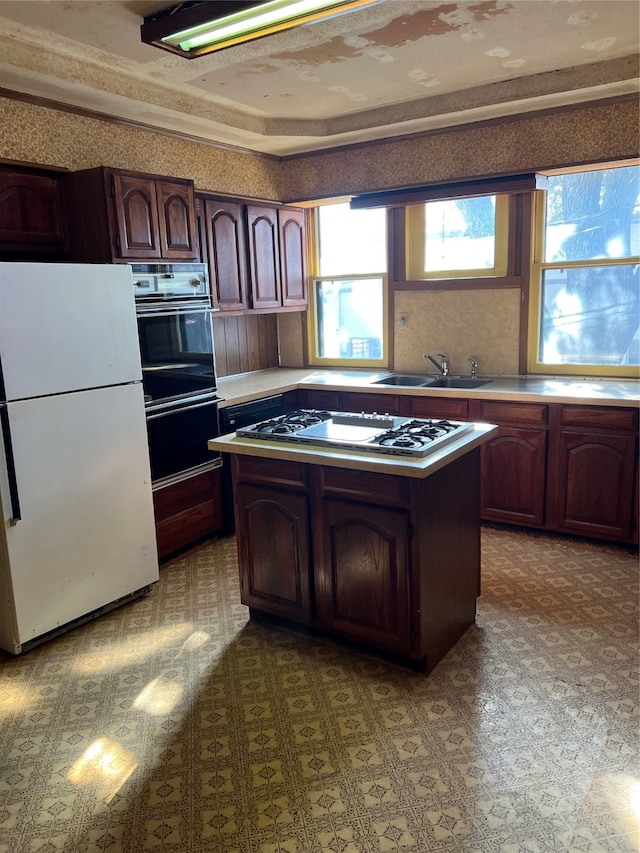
307,633
382,561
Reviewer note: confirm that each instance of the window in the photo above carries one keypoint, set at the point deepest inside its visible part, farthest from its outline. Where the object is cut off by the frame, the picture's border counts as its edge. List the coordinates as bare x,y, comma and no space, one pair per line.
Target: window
585,296
348,300
458,238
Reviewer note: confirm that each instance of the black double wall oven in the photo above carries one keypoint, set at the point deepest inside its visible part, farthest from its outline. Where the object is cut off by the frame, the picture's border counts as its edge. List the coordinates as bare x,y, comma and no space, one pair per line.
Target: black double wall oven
174,311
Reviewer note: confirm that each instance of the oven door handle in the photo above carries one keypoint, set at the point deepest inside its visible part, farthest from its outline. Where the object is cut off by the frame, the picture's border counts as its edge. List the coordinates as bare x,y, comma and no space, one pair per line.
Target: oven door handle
164,311
182,407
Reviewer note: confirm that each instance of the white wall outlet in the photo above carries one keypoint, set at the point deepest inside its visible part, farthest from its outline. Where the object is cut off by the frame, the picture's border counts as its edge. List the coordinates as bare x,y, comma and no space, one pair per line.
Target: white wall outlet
403,321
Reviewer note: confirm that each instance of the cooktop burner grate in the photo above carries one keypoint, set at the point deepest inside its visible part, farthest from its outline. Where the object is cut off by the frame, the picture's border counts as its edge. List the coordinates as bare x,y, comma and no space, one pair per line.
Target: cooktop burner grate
369,433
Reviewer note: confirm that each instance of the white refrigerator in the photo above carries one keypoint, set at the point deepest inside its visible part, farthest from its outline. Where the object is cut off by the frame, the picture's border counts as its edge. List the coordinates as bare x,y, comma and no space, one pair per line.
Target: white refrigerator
78,533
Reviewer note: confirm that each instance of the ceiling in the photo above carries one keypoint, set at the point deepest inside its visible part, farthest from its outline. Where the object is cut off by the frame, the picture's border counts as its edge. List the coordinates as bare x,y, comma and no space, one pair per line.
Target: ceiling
394,68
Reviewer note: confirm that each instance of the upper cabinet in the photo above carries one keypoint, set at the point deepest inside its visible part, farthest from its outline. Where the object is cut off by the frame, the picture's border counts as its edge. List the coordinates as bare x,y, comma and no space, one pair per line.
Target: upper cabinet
130,216
223,236
264,256
293,255
256,254
33,221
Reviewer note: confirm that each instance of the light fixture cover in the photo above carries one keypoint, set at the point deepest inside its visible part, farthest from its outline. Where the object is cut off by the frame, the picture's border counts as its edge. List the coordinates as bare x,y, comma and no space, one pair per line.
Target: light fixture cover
198,28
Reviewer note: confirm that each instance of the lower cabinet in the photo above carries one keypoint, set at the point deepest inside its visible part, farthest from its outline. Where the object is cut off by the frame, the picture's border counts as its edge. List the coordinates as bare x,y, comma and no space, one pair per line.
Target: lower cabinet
565,467
274,550
364,573
513,476
187,512
514,461
387,561
593,472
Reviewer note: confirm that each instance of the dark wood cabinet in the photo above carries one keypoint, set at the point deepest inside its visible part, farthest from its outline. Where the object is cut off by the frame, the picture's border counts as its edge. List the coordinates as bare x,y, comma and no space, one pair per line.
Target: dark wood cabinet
256,254
385,560
130,216
357,401
188,511
436,407
327,400
593,472
570,468
264,256
33,222
364,574
293,264
274,550
514,461
176,209
224,231
135,205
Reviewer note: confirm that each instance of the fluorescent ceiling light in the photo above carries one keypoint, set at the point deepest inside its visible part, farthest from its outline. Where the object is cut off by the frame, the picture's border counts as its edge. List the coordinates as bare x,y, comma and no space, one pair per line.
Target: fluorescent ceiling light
210,26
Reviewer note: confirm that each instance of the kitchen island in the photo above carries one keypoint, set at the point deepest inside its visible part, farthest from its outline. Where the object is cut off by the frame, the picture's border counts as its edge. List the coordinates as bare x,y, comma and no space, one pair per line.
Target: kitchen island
376,550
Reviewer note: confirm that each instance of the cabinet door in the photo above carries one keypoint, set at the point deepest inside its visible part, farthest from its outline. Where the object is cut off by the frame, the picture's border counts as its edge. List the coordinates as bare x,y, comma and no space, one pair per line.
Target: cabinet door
273,551
136,216
176,214
513,476
293,266
32,216
264,257
362,574
593,479
226,247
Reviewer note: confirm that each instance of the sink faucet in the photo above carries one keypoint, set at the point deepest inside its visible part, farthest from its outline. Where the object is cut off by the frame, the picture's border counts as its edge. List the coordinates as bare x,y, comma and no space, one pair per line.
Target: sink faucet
444,367
474,367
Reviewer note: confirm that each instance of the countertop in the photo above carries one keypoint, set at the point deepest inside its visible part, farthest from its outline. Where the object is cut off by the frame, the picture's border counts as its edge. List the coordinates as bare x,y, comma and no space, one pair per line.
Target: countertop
588,391
402,466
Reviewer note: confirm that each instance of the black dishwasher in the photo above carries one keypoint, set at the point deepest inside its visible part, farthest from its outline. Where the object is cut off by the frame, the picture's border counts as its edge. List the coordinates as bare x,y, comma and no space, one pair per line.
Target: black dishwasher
230,419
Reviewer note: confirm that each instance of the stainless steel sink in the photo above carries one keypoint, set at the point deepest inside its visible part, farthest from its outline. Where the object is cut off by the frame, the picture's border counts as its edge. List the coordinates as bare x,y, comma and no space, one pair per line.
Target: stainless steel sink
430,382
410,381
452,382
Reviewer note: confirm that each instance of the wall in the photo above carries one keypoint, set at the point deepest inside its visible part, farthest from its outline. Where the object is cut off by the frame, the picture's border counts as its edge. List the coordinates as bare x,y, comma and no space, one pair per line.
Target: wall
36,134
483,324
457,323
524,144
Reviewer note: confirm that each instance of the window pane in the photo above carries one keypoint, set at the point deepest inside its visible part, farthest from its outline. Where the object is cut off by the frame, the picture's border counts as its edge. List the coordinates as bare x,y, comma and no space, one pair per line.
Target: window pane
460,234
593,215
590,315
351,242
350,318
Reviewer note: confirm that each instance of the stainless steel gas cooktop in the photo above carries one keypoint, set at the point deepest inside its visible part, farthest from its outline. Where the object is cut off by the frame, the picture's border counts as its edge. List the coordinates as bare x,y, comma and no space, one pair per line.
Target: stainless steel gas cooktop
368,433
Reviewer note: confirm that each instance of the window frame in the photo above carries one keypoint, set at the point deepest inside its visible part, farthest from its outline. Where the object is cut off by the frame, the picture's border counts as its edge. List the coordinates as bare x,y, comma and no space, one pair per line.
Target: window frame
538,266
416,247
313,358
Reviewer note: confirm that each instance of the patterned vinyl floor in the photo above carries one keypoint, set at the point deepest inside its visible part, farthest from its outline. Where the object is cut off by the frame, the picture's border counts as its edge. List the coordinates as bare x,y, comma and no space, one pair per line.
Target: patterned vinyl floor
176,724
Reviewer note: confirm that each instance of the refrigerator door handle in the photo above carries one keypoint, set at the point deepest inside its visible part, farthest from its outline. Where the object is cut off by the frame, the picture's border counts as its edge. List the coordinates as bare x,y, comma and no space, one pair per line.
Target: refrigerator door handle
11,465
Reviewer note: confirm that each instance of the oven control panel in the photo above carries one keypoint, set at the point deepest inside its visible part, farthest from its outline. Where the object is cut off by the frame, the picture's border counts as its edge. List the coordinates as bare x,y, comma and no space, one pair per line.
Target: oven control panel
169,282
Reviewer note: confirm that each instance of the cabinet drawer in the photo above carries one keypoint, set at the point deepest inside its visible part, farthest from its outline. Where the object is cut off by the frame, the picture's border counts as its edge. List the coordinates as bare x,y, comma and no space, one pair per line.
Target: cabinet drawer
182,496
526,413
358,402
181,530
256,469
439,407
320,400
600,417
378,488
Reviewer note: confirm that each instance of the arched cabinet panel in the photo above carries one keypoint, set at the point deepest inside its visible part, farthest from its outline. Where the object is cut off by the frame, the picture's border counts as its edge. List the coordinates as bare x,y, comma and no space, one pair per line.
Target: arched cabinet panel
273,539
366,573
